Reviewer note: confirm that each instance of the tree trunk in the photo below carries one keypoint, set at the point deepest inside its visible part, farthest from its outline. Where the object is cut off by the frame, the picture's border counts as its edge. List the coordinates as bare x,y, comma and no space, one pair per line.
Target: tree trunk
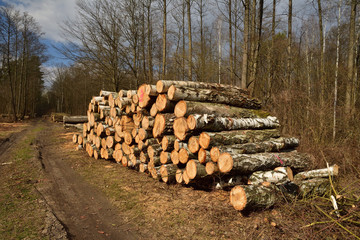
245,45
289,61
185,108
214,96
230,44
216,124
164,40
247,163
207,139
350,73
190,39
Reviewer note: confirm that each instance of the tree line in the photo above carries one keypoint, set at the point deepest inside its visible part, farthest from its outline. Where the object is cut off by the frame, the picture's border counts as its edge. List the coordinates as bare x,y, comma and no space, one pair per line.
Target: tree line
22,54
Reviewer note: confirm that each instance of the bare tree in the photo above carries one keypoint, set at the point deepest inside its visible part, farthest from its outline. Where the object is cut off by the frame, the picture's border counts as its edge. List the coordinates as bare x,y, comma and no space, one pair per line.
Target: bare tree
188,5
289,59
244,81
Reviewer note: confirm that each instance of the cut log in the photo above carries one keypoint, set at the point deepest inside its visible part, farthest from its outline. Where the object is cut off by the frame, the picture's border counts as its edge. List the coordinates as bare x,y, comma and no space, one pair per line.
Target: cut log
162,86
75,119
185,155
117,146
216,124
110,131
153,110
208,139
80,139
318,173
93,118
163,124
193,144
313,187
163,104
180,128
128,139
168,173
165,157
185,108
147,122
96,153
143,167
144,134
104,93
118,155
108,153
125,160
195,169
167,142
174,157
123,102
178,145
109,141
204,156
144,92
213,96
126,148
154,150
75,138
248,163
185,177
143,157
211,168
274,145
277,176
179,175
252,197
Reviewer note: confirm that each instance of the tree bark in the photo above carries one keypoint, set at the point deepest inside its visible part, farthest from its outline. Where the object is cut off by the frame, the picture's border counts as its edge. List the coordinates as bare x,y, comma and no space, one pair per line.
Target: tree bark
252,197
244,71
167,142
213,96
214,123
274,145
277,176
185,108
208,139
332,171
162,86
147,122
168,173
75,119
195,169
190,39
247,163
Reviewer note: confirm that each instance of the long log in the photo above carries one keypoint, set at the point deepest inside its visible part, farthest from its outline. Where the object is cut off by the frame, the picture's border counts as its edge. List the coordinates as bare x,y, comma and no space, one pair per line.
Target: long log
185,108
214,96
209,139
248,163
277,176
216,124
163,124
274,145
318,173
75,119
313,187
162,86
252,197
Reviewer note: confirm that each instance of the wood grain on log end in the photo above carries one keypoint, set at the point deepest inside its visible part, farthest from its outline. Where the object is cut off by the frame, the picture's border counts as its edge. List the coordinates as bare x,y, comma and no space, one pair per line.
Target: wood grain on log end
211,168
238,198
214,154
180,109
180,128
225,162
191,122
204,140
174,157
179,176
193,144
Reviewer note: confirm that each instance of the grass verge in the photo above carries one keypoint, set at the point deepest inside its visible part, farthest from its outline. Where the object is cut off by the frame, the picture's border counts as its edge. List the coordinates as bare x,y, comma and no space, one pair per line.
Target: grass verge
21,214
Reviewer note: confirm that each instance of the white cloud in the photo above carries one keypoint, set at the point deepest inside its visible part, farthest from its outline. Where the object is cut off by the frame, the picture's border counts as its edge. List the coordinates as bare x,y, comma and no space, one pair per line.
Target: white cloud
48,13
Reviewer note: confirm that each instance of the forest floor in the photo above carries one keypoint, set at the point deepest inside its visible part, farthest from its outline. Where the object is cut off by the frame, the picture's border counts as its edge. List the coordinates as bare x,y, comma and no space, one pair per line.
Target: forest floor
48,190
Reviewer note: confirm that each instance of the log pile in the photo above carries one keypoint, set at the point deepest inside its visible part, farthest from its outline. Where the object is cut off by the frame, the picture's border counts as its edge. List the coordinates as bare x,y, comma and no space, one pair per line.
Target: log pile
204,135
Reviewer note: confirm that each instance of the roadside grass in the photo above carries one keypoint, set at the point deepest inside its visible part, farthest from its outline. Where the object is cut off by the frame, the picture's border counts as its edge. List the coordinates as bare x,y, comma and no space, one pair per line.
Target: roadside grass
21,214
8,128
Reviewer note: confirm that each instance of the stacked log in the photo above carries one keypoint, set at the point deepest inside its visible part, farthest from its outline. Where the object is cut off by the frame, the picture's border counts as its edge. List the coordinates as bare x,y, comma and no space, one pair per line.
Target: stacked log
204,135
